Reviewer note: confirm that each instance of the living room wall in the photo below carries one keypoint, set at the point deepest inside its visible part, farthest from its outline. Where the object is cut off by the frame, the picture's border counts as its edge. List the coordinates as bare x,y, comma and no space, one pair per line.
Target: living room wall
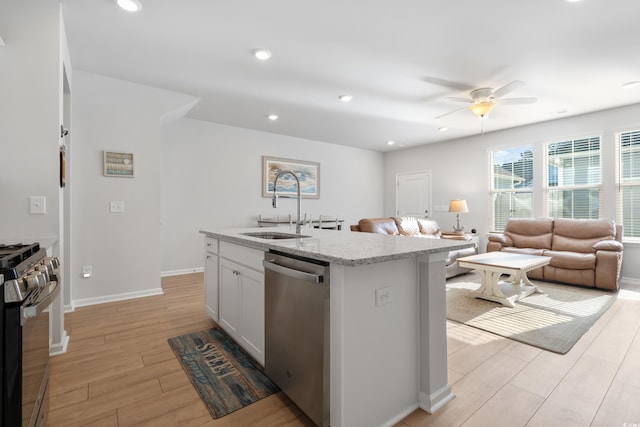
460,168
212,175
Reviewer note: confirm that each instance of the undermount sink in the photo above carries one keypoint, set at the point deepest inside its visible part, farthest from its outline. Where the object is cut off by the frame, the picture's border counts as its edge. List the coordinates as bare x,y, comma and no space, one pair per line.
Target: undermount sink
274,235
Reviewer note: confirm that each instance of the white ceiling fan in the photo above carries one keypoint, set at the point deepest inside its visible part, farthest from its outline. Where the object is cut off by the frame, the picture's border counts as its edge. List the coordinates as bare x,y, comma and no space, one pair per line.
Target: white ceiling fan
483,100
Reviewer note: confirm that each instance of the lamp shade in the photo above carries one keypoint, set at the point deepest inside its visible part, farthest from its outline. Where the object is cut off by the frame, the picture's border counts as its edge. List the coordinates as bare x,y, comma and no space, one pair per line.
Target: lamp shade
458,205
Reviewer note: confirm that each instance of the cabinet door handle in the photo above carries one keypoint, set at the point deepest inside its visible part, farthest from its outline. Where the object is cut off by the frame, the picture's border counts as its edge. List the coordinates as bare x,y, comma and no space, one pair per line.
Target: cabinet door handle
237,273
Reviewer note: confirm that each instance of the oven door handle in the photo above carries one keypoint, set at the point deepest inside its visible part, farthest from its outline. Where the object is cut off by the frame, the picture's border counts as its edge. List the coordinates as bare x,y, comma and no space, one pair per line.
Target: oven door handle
32,311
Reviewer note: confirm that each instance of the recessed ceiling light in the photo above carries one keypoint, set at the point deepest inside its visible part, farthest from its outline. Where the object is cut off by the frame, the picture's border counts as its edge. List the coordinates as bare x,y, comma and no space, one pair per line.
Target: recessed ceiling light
443,129
630,85
573,1
273,117
129,5
390,142
262,54
345,98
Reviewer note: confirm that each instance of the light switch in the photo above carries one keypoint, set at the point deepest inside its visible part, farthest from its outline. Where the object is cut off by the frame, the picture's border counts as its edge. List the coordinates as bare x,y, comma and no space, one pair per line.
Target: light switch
87,271
116,207
37,205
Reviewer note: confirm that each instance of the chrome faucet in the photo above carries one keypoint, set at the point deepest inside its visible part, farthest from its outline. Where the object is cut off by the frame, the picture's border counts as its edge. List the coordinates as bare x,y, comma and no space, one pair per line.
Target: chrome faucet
274,200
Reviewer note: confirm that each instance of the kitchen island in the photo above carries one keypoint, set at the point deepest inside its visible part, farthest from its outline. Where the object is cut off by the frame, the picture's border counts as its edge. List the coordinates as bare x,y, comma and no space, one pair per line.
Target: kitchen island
388,356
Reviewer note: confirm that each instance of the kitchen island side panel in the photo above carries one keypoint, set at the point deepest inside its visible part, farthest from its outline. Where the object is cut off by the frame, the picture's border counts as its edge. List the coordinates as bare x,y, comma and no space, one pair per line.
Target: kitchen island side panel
374,365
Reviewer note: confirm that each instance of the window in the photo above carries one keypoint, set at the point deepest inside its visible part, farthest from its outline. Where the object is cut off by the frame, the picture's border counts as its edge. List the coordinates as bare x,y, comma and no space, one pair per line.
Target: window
511,194
573,179
628,200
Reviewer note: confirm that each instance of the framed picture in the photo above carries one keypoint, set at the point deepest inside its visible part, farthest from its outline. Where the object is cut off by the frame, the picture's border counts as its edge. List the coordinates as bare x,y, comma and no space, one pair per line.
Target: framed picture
307,172
118,164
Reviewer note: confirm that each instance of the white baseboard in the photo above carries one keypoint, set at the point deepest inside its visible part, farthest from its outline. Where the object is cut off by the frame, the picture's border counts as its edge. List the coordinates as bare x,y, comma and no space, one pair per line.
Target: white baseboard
402,415
431,403
69,308
116,297
61,347
183,271
630,280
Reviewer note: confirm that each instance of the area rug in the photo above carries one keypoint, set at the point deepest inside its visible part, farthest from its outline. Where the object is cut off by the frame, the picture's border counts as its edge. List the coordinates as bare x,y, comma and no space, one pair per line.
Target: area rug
224,375
554,320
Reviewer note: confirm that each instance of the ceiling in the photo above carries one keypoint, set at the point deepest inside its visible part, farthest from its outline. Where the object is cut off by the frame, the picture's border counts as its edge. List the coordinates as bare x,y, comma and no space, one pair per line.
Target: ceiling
398,59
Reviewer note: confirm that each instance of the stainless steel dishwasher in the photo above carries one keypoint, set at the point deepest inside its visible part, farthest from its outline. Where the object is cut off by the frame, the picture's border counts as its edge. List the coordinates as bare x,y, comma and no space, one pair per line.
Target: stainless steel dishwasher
297,331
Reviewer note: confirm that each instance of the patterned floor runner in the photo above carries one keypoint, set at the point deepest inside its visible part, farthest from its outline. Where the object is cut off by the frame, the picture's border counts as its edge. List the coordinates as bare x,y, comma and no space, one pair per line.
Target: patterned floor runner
224,375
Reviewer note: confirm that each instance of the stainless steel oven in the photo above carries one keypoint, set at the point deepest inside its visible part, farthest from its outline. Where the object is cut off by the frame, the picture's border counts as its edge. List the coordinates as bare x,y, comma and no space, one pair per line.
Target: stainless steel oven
30,285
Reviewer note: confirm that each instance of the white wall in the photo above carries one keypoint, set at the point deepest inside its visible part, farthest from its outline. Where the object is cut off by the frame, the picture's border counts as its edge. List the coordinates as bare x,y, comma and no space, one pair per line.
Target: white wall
123,248
29,114
212,174
460,168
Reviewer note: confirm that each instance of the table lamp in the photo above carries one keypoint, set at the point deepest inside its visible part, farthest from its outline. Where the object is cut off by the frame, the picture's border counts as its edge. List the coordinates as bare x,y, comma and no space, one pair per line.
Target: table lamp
458,206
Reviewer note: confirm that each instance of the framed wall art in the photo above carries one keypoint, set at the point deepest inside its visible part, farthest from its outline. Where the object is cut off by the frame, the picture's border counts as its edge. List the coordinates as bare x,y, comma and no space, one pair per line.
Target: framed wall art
307,172
118,164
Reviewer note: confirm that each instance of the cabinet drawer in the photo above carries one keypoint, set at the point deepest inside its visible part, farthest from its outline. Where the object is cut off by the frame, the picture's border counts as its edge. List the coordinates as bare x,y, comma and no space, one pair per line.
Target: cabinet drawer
211,245
244,255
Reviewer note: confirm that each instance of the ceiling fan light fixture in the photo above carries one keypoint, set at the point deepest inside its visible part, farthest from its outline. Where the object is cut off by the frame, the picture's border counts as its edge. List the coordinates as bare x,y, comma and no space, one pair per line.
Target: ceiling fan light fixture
481,109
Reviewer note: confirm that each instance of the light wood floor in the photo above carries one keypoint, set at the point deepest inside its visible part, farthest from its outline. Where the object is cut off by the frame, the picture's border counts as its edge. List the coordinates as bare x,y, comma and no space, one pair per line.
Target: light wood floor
120,371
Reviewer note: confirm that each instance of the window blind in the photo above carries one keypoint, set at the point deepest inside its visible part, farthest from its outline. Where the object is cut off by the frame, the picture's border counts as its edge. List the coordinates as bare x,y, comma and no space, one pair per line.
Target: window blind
574,181
628,176
511,191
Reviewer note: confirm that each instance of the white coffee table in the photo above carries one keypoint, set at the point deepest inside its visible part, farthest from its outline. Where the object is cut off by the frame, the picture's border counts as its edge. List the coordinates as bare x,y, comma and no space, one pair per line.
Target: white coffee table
492,265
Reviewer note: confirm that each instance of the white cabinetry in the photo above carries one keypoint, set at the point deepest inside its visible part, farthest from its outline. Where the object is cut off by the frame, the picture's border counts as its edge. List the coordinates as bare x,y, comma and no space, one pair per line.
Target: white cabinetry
242,296
230,281
211,278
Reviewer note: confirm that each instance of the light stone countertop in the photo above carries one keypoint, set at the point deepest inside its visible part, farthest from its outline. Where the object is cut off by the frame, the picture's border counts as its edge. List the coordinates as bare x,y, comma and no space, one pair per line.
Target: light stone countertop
340,247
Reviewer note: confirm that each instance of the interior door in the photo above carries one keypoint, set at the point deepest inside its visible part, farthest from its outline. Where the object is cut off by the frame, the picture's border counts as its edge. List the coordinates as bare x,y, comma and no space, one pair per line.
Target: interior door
413,194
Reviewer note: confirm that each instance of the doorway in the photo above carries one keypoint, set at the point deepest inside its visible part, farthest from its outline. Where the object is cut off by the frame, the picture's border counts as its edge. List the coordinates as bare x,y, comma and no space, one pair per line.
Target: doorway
413,194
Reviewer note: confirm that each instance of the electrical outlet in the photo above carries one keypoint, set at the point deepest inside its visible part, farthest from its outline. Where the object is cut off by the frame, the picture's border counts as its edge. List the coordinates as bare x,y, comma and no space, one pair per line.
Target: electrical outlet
116,207
384,296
